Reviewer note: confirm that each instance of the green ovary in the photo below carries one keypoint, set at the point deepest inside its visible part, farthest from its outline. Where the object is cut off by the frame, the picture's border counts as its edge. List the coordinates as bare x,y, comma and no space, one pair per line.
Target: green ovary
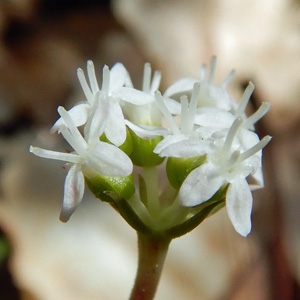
142,153
99,185
179,168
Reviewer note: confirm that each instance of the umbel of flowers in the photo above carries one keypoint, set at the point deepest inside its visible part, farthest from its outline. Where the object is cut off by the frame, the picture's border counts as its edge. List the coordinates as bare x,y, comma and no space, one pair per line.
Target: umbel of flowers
194,133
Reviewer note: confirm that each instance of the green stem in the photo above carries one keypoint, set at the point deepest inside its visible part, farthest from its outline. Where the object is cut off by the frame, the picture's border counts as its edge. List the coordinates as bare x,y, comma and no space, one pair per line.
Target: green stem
151,181
152,254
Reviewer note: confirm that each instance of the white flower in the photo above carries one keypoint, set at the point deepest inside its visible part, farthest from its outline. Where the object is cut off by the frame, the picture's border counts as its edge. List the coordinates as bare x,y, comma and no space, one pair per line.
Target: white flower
183,140
212,119
114,89
234,159
149,112
90,154
210,94
179,141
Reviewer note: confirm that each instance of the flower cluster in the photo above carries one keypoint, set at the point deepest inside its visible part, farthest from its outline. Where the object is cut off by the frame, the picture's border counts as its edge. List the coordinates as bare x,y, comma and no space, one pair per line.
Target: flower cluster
208,143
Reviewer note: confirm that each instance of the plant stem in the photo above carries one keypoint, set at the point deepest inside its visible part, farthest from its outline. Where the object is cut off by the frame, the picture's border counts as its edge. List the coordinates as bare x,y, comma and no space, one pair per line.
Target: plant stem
151,180
152,253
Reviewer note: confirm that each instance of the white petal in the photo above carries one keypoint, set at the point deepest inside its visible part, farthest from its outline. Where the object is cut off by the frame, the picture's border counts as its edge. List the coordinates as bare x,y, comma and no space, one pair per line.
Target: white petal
85,87
69,157
78,113
155,81
115,129
73,192
173,106
239,206
220,134
146,131
221,98
186,148
97,120
92,77
169,140
118,76
180,86
133,96
72,135
256,180
109,160
206,132
253,163
200,185
214,117
248,138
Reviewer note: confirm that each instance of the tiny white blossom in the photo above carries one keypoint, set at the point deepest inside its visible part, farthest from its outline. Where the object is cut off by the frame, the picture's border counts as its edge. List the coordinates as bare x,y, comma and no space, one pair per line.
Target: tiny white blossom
231,162
89,154
183,140
114,89
212,119
148,113
81,112
210,94
179,140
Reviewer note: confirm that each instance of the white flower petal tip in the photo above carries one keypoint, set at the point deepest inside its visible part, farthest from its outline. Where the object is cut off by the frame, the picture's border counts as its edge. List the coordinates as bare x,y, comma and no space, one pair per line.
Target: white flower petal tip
65,216
245,100
239,206
54,129
251,87
266,140
90,63
61,110
263,109
266,107
228,79
73,192
38,151
31,149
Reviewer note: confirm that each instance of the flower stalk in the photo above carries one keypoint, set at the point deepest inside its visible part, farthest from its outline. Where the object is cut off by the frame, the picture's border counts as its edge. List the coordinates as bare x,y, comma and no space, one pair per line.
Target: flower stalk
152,251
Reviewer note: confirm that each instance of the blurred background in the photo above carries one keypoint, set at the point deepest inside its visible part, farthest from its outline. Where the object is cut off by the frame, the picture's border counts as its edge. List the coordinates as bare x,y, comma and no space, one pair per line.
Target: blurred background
93,256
